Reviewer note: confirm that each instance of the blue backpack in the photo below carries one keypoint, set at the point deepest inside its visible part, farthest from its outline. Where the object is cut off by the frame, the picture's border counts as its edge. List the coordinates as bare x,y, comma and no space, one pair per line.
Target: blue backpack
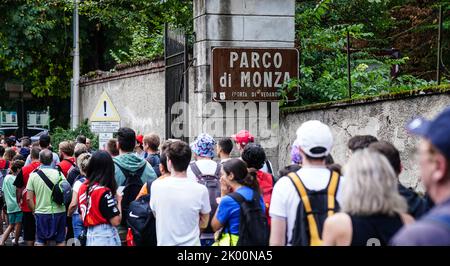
61,191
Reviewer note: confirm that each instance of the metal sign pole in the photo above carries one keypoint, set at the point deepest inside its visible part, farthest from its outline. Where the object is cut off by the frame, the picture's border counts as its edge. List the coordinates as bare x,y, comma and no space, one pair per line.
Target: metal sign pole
76,68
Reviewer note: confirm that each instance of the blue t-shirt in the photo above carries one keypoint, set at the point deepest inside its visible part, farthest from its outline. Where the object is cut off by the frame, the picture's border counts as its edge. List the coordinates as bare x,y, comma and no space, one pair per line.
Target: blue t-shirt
229,211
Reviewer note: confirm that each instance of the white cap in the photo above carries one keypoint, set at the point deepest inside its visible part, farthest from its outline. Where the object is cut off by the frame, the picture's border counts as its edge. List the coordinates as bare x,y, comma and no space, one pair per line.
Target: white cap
314,134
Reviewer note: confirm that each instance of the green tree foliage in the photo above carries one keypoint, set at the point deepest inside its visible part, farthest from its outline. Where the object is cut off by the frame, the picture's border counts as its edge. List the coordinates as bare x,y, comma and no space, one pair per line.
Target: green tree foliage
36,37
60,134
374,27
35,46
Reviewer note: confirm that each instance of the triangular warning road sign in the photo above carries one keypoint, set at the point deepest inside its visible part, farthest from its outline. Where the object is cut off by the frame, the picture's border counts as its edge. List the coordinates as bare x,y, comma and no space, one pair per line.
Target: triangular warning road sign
105,110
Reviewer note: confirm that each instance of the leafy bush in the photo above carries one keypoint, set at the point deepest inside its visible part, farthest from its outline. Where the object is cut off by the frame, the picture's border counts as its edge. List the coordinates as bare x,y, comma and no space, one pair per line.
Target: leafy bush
60,134
143,46
321,33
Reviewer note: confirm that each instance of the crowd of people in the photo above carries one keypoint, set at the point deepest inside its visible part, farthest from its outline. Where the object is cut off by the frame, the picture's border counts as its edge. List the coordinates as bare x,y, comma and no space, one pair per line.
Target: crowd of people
141,192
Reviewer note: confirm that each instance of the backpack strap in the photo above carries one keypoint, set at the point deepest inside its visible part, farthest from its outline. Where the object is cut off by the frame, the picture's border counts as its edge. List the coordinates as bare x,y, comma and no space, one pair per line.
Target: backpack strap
312,224
6,165
219,167
195,170
269,168
237,197
332,190
46,180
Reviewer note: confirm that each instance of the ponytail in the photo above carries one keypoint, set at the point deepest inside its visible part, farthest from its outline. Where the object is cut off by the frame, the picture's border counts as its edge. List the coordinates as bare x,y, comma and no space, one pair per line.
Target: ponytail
251,181
242,175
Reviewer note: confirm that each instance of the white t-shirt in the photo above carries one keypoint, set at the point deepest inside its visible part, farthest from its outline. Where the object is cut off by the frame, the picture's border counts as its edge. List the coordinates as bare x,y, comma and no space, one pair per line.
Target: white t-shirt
206,167
285,199
177,204
76,188
265,167
225,160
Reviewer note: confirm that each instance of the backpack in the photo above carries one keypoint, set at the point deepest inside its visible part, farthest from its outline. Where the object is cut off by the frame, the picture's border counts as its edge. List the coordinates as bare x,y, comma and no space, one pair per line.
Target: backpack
141,220
61,191
253,224
58,167
133,185
266,184
212,183
154,160
313,209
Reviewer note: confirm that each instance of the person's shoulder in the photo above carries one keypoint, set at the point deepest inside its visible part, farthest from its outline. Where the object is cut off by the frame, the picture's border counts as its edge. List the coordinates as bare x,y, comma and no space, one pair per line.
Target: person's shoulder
33,174
419,233
158,181
78,183
194,185
283,181
226,200
339,218
206,163
50,171
264,174
8,178
338,225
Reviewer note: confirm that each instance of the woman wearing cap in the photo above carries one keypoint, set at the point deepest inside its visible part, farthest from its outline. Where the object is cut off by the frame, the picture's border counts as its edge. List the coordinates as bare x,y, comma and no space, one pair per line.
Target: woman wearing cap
242,139
139,149
373,210
296,161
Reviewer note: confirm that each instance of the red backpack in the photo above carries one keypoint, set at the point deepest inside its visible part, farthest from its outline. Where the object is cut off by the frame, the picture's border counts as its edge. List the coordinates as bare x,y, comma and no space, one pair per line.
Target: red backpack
266,183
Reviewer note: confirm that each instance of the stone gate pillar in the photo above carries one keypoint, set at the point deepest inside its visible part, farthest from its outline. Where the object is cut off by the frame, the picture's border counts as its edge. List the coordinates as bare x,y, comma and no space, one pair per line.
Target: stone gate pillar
235,23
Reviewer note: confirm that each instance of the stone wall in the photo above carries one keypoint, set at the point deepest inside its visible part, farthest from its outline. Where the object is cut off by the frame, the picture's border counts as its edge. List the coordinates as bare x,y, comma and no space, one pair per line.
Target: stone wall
383,118
138,93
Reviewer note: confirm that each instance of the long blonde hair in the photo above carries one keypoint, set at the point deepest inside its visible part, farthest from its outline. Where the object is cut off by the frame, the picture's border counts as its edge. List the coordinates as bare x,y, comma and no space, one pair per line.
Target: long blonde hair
371,186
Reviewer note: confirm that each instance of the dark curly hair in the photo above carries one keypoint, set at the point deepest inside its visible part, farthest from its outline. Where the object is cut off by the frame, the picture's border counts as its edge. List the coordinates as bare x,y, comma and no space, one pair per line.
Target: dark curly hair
254,156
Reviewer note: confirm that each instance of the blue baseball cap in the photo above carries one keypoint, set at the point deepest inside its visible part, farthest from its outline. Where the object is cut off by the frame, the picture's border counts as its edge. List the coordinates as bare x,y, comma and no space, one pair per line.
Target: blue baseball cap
437,131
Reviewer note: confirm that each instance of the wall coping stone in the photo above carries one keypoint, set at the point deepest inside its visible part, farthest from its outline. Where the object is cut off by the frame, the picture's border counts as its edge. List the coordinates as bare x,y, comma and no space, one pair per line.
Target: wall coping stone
426,91
122,72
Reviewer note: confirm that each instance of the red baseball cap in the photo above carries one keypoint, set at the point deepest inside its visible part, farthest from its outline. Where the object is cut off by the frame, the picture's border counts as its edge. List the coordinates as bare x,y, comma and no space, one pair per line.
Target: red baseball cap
140,139
243,137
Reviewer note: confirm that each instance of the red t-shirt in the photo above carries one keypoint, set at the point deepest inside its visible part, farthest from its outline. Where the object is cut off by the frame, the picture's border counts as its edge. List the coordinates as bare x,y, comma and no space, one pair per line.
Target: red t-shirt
3,164
102,205
265,181
66,164
22,181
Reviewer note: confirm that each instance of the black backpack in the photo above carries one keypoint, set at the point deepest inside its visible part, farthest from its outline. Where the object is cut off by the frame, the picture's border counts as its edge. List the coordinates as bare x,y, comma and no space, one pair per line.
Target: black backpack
142,221
253,224
61,190
212,183
133,185
314,208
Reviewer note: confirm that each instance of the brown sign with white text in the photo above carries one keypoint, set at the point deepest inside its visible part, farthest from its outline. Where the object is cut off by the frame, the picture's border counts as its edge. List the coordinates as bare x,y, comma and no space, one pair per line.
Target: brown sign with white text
253,74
